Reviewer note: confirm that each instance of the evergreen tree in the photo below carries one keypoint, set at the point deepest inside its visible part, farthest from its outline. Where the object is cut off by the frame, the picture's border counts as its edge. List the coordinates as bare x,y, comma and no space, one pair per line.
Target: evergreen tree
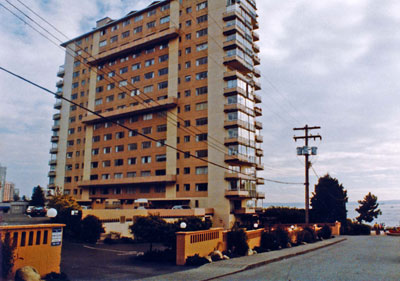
368,209
38,198
329,201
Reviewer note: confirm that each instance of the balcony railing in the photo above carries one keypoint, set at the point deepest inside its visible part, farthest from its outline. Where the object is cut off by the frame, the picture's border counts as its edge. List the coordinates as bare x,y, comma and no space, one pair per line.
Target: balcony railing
57,105
61,71
60,83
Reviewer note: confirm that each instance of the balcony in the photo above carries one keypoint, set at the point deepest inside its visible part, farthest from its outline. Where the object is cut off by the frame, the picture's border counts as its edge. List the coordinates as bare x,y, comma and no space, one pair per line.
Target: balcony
237,194
57,105
239,158
260,181
238,63
53,162
258,125
59,83
234,107
162,36
256,25
55,138
238,123
257,98
153,106
244,211
51,186
126,181
257,85
260,195
235,175
234,90
231,13
259,167
55,128
256,48
57,116
237,140
256,60
53,150
257,72
258,111
231,44
259,152
61,71
259,138
228,75
256,37
230,29
51,174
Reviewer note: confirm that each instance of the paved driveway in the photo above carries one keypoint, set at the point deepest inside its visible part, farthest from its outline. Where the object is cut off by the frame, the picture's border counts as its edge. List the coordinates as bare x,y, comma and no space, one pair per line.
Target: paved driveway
359,258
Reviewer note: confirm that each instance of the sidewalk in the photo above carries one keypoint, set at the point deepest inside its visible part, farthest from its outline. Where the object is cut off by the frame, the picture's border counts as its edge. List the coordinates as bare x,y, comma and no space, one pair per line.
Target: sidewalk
227,267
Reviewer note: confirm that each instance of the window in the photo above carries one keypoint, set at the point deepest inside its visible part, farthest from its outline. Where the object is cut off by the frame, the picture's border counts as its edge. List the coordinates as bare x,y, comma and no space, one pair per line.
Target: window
126,22
150,50
148,89
163,85
187,186
151,24
160,143
146,144
188,36
118,176
201,61
203,170
146,131
161,158
133,133
201,137
107,150
162,128
149,62
92,178
105,176
95,151
138,18
135,79
188,10
111,74
163,71
123,70
96,139
201,106
186,138
106,163
201,6
121,96
114,27
201,186
202,153
110,86
187,123
202,18
188,23
201,75
164,7
130,175
118,162
137,29
119,135
123,83
75,85
103,43
201,91
119,148
148,116
188,78
75,74
136,66
186,154
110,98
146,159
163,58
187,107
201,121
132,146
164,20
201,32
149,75
187,93
114,39
188,50
187,64
134,119
151,13
132,161
202,47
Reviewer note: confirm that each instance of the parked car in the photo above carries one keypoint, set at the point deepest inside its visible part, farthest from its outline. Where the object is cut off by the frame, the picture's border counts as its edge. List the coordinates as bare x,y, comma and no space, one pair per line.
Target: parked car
179,207
29,210
38,212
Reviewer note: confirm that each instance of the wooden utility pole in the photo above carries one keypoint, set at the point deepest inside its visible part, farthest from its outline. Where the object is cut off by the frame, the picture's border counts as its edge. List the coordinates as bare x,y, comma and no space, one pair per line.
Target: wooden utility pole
306,153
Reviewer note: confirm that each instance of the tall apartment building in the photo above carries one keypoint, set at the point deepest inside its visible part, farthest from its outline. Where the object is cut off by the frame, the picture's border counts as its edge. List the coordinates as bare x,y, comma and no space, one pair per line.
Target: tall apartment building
8,192
3,174
182,73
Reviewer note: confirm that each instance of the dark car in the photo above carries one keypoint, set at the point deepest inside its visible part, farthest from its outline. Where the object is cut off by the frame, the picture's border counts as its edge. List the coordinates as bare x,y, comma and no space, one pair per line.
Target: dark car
38,212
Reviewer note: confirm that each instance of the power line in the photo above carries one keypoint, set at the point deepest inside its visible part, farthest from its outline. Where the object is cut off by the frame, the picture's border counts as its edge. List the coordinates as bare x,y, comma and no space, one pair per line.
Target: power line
129,129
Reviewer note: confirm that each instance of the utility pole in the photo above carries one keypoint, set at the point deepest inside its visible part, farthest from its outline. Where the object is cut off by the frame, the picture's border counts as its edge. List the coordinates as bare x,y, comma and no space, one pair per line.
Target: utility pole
305,150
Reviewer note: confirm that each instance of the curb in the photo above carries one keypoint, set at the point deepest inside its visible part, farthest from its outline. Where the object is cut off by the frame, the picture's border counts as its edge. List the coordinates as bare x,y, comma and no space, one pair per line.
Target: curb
261,263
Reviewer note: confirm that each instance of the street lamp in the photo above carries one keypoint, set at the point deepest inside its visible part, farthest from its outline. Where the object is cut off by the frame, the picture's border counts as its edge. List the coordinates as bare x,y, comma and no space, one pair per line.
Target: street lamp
255,225
183,225
51,213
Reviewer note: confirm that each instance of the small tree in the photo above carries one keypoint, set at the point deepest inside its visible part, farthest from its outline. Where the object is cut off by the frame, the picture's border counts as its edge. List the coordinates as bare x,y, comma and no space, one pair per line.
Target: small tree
149,229
7,255
38,198
16,198
368,209
91,229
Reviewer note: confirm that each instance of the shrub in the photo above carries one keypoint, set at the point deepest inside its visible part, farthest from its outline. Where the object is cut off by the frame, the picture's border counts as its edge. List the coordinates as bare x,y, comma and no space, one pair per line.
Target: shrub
109,241
7,255
237,242
306,235
166,255
282,237
196,260
325,232
269,241
151,229
91,229
360,229
56,277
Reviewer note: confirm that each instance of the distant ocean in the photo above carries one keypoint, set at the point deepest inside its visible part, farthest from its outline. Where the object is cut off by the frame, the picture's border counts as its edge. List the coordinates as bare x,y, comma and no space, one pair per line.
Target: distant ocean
390,210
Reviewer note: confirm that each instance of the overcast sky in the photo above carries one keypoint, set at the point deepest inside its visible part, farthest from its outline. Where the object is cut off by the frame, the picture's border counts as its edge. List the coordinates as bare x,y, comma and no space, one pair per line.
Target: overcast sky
333,64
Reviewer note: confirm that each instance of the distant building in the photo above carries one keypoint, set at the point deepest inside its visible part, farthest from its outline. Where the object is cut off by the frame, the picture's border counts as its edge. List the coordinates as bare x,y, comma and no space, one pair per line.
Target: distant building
3,173
8,192
180,74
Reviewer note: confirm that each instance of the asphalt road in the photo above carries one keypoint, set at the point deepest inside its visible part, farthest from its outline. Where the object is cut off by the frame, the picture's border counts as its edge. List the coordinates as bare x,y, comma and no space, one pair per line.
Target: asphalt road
359,258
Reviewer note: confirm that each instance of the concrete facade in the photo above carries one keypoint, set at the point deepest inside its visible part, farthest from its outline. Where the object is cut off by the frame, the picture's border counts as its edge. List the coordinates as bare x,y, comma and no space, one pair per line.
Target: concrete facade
181,77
